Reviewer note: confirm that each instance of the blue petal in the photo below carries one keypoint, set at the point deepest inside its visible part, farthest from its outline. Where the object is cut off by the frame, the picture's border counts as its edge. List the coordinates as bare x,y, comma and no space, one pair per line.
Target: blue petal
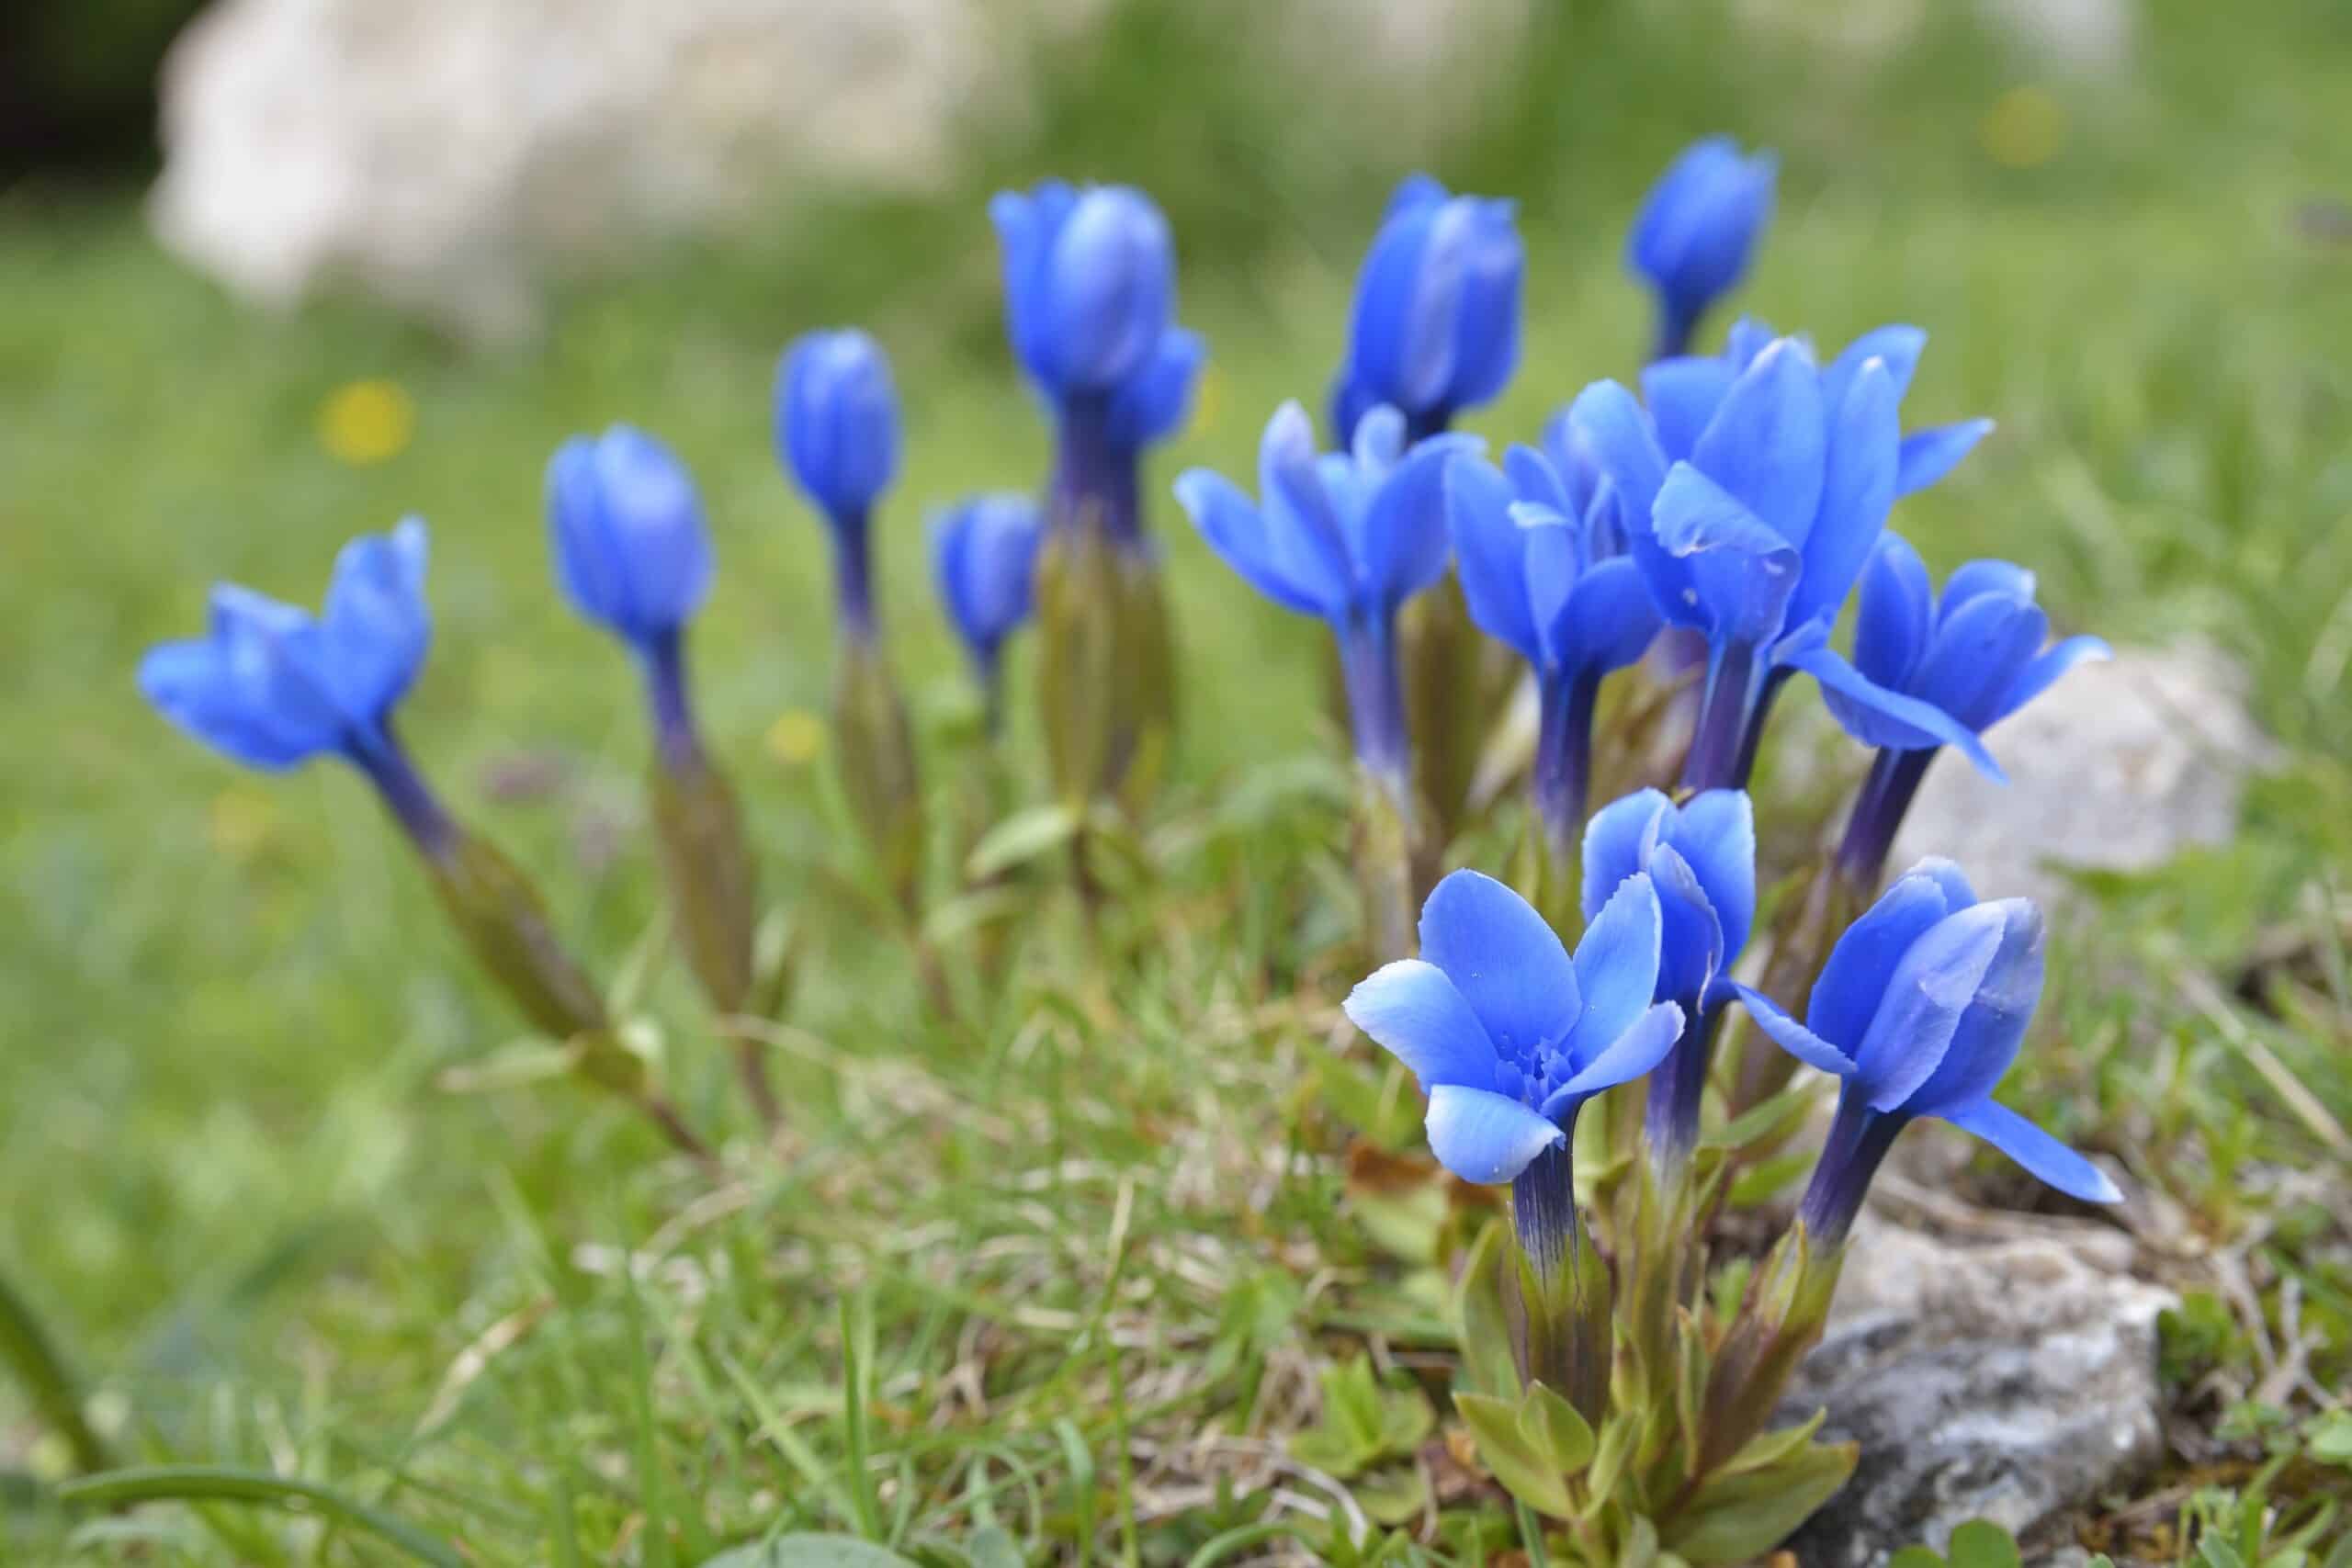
1154,401
1932,986
1570,453
1975,579
1847,993
1403,529
1535,479
1856,492
2045,669
984,555
273,660
1986,1040
1026,227
1413,1010
837,415
1767,444
1624,444
1635,1053
1929,455
590,565
1489,554
2043,1155
1715,832
1486,334
1978,653
1897,346
376,627
1792,1036
1742,571
1616,964
1617,843
1611,620
1747,338
1501,955
1684,394
1416,190
1876,717
190,684
1898,614
1109,289
1401,334
1691,954
1304,531
1554,555
1239,534
1485,1138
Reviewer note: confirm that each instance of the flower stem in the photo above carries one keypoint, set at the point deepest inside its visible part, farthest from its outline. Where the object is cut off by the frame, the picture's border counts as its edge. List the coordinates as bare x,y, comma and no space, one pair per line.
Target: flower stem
1722,732
406,793
1879,810
1561,779
854,577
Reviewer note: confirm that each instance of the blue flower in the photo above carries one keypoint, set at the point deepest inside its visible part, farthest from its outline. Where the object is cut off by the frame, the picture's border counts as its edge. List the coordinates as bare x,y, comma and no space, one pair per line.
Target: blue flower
1696,230
1929,673
1435,328
1542,573
1701,858
837,423
1752,491
1920,1010
1507,1035
272,686
627,528
1090,284
1347,538
984,557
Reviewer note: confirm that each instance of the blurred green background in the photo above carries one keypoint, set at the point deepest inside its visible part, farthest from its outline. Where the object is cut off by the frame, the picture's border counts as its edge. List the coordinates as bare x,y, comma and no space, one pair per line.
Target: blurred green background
225,1004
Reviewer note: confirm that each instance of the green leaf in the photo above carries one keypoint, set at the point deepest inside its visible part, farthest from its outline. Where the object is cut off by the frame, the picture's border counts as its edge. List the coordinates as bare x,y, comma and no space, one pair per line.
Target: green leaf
1760,1181
2328,1439
1526,1472
809,1552
1615,1447
1486,1360
1770,1448
1737,1517
993,1546
1914,1557
1021,837
1980,1543
1772,1120
1557,1430
1393,1496
207,1483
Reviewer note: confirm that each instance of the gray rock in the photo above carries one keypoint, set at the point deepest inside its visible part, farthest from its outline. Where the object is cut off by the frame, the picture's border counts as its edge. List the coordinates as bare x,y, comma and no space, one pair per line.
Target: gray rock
2009,1374
2118,767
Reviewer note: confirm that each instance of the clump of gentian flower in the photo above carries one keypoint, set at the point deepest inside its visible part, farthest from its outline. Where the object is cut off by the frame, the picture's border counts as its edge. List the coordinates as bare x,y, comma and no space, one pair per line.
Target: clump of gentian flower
1696,232
1752,489
1090,282
272,686
1350,538
632,553
1508,1037
1701,856
984,558
837,431
1931,672
1544,572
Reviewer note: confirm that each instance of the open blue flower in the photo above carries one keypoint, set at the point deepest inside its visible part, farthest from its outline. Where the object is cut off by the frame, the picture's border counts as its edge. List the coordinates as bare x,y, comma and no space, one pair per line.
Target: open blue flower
1701,858
1542,572
1435,328
1697,229
271,686
837,431
1509,1036
1346,536
983,557
1751,503
1920,1010
1929,673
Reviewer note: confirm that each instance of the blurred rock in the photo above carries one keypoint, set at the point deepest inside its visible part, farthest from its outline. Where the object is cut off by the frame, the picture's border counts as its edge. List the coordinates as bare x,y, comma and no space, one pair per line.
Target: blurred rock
447,155
2118,767
2006,1373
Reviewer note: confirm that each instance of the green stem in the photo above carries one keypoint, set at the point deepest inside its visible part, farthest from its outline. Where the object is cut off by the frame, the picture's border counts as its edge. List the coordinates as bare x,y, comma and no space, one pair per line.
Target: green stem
34,1355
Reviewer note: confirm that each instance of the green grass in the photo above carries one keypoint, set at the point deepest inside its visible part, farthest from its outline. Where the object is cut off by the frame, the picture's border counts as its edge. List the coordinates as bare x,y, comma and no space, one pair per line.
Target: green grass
241,1188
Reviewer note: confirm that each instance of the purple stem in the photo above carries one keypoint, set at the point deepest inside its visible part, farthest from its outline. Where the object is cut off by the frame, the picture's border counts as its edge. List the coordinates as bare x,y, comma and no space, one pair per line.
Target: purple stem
1879,810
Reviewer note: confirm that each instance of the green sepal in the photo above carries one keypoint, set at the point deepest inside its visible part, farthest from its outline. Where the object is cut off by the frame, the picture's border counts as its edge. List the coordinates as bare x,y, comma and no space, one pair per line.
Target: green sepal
1144,725
1075,590
1524,1470
712,883
877,764
1735,1518
1554,1429
504,920
1385,851
1482,1315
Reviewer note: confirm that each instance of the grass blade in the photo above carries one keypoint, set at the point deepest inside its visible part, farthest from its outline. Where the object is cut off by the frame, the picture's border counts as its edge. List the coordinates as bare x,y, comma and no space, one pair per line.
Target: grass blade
34,1356
212,1484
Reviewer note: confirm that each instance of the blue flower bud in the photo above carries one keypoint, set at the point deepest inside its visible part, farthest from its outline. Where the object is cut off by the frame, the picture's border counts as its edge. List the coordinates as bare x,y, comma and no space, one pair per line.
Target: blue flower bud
631,548
1090,283
1920,1010
1435,328
984,561
837,423
1696,230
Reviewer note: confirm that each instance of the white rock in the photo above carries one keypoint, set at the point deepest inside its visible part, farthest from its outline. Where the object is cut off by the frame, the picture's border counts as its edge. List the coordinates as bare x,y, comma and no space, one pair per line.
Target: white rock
2118,767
